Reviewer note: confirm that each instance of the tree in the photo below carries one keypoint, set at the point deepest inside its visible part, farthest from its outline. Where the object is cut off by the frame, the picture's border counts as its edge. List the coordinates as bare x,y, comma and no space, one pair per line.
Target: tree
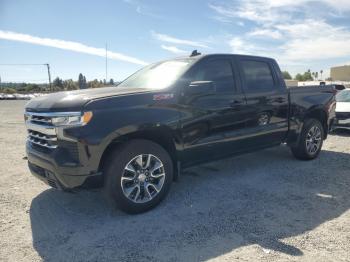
299,77
286,75
111,81
32,88
69,85
94,84
307,76
321,72
57,82
9,90
82,81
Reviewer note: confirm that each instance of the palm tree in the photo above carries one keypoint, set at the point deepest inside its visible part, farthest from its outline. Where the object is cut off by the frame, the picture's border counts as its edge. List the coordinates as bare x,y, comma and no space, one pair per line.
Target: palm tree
321,72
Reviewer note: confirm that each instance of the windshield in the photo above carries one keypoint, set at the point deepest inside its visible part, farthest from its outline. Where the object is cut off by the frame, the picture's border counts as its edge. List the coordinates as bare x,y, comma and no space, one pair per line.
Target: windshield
159,75
343,96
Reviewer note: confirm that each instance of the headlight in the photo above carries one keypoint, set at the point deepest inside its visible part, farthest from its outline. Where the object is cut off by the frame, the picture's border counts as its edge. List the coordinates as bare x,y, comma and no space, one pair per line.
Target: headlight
72,119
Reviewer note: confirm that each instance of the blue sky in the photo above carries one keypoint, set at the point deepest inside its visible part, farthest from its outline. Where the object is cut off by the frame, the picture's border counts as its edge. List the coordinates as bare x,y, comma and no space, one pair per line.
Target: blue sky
71,35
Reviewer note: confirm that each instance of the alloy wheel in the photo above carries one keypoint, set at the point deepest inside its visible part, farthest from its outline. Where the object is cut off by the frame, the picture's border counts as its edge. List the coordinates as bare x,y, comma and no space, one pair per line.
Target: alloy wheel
143,178
313,140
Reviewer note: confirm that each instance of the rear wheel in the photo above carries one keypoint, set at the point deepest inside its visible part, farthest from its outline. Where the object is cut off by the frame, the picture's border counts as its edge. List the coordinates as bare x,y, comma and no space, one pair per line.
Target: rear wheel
138,176
311,140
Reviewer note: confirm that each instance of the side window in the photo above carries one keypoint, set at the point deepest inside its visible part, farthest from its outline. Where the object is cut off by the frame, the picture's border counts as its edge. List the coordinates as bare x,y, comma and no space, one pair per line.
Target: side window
218,71
258,76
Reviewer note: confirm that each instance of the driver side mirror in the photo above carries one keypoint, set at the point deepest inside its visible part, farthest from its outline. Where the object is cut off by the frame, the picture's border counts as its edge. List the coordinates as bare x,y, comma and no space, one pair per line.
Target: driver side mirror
201,88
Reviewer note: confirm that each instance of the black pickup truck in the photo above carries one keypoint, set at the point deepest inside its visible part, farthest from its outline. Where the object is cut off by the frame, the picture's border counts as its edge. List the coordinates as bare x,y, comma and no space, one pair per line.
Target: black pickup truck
137,136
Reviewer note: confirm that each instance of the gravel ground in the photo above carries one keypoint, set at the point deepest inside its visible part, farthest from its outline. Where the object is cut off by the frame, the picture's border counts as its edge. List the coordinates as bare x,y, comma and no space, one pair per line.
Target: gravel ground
264,206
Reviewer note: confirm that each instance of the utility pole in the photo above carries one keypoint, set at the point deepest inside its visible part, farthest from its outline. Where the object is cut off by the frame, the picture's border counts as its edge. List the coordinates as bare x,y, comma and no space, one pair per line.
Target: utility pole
106,64
49,73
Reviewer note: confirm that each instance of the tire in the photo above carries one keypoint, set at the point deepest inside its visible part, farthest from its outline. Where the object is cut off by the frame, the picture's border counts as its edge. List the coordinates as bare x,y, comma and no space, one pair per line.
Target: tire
302,151
135,189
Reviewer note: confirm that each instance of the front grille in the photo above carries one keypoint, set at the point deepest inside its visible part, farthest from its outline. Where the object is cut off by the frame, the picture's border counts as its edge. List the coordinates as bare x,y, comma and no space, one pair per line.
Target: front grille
41,132
38,138
40,119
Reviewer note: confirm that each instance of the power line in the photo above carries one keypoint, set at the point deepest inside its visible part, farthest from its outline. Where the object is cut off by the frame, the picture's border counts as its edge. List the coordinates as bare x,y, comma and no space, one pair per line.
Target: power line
22,64
22,79
47,66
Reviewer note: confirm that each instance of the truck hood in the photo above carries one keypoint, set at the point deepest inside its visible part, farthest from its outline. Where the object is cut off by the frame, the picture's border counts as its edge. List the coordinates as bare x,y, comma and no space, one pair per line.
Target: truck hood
75,100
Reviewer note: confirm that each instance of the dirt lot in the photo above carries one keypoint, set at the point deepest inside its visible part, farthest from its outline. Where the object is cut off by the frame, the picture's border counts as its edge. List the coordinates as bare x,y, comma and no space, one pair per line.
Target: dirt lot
264,206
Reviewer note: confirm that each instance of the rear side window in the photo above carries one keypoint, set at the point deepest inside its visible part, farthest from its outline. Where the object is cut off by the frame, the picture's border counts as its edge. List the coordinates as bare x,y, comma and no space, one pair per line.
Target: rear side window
258,76
218,71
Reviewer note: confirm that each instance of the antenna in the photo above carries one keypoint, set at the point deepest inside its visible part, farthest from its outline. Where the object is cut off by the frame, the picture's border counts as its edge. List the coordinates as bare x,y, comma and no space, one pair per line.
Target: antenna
194,53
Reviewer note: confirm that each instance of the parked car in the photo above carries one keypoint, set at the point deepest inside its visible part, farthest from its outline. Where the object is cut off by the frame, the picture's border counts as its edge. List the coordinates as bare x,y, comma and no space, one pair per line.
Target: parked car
9,97
339,87
138,136
342,110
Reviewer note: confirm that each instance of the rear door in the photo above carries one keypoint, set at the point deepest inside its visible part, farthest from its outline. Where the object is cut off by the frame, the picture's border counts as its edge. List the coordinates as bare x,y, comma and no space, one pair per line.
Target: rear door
267,101
208,117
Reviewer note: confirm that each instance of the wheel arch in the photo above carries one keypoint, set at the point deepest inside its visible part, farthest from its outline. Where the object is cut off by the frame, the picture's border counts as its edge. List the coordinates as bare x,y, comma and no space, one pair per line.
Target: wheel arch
319,114
162,136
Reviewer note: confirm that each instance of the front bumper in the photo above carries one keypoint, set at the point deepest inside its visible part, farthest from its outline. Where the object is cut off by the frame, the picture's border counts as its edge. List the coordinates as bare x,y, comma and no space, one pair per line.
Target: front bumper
58,168
336,125
342,121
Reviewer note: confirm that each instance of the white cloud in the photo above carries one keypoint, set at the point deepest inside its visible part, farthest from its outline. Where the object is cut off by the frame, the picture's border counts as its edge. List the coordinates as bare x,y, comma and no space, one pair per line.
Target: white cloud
256,11
302,37
338,5
320,48
240,45
275,34
304,43
178,41
142,9
173,49
315,40
309,28
269,12
68,45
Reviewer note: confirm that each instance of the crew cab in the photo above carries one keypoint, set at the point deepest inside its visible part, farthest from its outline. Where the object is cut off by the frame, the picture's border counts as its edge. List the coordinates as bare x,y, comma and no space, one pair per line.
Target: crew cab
137,137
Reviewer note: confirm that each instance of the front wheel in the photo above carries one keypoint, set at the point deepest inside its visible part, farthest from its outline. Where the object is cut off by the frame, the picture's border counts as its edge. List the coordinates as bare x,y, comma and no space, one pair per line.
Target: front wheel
138,176
311,140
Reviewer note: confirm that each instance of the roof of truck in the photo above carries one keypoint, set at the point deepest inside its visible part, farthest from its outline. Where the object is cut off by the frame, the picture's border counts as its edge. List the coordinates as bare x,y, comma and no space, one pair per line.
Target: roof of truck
199,56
